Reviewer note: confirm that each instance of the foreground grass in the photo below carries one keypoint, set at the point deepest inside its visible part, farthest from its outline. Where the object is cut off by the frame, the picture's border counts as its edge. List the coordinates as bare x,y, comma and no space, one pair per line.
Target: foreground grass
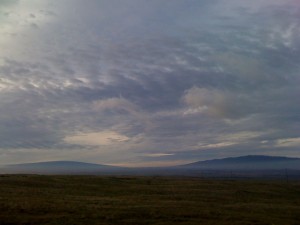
146,200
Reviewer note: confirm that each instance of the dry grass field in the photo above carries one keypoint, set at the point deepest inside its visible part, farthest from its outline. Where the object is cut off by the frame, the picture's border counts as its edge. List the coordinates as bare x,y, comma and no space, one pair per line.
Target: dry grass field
33,199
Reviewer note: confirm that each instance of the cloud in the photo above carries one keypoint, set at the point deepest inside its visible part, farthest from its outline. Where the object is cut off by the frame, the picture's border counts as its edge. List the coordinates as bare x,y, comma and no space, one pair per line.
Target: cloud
148,79
158,154
217,103
288,142
115,104
217,145
96,138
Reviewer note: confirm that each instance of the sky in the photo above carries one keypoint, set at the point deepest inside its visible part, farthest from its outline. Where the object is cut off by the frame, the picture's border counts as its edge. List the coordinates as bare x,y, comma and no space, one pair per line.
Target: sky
148,83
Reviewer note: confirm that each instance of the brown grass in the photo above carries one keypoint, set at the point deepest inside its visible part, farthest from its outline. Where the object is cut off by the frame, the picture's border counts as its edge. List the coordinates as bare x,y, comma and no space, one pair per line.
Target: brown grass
146,200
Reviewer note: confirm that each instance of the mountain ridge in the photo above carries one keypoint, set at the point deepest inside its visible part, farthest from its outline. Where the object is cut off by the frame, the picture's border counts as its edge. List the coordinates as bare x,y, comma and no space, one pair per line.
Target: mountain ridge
60,167
249,157
59,163
246,162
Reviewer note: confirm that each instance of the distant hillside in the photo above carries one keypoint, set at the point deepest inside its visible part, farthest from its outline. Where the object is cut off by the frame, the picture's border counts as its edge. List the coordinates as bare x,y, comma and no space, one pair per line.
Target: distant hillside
243,163
250,162
60,167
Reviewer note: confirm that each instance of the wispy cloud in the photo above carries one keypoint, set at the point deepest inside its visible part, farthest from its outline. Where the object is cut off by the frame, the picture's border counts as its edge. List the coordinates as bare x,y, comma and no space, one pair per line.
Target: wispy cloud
148,81
96,138
288,142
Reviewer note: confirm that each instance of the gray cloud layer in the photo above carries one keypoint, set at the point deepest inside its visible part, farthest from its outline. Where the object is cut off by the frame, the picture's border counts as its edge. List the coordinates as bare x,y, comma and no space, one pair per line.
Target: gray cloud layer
155,81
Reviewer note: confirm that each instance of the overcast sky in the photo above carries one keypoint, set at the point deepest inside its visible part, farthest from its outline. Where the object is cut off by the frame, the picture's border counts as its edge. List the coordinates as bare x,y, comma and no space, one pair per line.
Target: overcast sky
148,83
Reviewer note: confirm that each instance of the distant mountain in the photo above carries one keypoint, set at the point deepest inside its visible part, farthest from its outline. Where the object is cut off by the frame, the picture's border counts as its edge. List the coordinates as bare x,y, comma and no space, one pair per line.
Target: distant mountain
218,166
61,167
68,164
250,162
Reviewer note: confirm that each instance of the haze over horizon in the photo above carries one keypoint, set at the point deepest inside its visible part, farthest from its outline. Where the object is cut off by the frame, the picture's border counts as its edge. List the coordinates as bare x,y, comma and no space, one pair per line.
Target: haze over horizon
148,83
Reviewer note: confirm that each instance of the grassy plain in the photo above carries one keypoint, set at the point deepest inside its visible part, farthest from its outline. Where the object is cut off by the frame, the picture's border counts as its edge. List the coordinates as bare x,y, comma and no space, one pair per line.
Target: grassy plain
33,199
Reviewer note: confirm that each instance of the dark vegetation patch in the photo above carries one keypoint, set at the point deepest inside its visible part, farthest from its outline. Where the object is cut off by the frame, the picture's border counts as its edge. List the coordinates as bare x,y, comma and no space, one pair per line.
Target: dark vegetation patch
34,200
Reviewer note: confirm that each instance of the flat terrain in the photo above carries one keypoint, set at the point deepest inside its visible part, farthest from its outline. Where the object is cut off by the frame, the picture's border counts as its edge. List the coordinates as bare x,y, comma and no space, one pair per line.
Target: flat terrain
99,200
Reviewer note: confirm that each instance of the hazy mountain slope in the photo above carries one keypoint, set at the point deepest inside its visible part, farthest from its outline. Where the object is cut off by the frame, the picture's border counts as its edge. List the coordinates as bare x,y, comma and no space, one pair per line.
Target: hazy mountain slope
60,167
250,162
